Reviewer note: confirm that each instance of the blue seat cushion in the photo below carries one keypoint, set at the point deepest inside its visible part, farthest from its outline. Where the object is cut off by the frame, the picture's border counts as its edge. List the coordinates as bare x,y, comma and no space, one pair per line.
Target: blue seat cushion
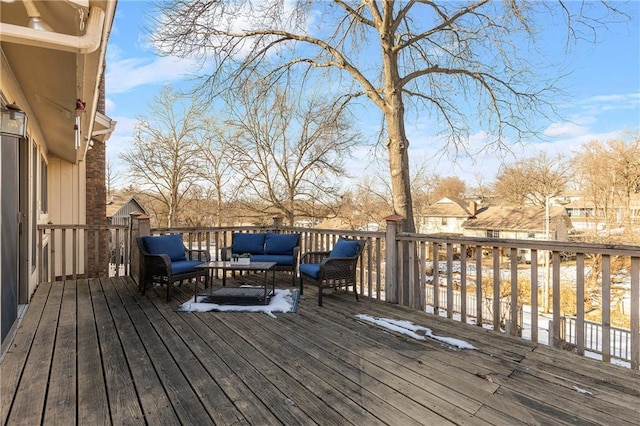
280,243
311,269
280,259
248,243
184,266
344,248
170,245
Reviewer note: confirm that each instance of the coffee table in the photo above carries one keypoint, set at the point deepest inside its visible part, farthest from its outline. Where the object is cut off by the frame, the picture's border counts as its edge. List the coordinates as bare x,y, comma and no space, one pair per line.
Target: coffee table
240,294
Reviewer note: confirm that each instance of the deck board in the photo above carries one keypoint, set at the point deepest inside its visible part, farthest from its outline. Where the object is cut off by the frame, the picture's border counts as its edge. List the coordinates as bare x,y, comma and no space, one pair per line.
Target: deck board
93,406
97,352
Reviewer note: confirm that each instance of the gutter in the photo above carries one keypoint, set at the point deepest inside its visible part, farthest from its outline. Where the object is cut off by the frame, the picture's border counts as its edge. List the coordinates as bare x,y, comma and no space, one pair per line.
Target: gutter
87,43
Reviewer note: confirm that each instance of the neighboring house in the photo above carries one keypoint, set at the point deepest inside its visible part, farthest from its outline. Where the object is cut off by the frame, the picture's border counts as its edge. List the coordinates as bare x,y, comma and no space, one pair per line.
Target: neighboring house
119,209
446,216
53,133
587,218
524,223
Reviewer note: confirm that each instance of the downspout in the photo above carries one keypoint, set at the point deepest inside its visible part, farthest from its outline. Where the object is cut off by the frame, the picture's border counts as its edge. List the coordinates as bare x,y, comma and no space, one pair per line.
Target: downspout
87,43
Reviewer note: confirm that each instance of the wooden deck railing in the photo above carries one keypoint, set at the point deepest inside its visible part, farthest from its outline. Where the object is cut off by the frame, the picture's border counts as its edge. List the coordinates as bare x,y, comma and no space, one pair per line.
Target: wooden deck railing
74,251
450,267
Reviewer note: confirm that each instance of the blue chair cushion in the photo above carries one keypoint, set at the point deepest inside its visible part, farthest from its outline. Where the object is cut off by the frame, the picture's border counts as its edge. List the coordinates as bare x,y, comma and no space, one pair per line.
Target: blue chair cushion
248,243
344,248
280,259
184,266
170,245
311,269
280,243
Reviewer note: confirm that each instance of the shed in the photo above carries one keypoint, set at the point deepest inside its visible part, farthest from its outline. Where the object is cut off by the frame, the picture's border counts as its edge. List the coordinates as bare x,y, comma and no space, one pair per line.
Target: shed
120,207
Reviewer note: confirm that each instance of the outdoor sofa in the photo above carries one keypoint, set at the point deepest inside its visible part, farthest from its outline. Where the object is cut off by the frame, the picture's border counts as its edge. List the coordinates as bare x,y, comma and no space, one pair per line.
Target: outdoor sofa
284,249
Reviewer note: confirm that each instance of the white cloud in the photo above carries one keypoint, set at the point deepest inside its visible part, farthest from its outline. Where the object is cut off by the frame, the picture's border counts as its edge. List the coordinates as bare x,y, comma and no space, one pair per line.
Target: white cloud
125,74
109,105
565,129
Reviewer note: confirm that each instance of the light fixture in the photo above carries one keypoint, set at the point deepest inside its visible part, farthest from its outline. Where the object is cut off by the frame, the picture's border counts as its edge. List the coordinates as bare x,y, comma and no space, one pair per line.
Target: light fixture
76,130
35,20
37,23
13,121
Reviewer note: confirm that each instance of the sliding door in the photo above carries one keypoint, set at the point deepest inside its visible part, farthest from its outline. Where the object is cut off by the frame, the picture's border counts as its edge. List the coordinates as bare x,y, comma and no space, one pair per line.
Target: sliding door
9,243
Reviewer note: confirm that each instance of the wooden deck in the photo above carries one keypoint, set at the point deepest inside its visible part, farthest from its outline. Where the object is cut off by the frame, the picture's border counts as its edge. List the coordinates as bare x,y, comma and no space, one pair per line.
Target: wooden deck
97,352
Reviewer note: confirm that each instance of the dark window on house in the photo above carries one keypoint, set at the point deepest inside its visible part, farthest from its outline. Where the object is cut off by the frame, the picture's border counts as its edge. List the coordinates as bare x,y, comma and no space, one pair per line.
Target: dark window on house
444,220
493,233
531,235
44,202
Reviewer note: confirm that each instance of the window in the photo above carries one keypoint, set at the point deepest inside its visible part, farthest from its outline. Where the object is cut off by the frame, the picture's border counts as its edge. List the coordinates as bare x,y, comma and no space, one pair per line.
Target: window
44,203
531,235
444,221
493,233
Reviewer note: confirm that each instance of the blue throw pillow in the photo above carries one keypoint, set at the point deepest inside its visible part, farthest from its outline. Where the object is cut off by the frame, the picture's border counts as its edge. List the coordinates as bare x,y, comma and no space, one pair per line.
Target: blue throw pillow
281,243
344,248
170,245
248,243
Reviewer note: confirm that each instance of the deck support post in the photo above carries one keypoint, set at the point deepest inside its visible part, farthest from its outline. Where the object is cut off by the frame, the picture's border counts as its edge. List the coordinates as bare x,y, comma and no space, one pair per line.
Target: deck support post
140,226
391,276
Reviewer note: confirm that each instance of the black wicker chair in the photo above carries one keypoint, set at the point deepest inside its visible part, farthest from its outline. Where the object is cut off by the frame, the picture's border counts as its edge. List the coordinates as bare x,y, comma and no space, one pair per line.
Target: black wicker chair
165,260
332,269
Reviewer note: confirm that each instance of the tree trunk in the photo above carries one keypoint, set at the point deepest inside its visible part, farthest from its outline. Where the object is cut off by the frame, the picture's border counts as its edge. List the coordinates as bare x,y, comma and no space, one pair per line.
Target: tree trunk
397,144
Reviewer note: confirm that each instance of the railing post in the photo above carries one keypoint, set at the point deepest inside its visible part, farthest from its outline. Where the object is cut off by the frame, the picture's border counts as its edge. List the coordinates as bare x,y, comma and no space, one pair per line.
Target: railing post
391,277
140,226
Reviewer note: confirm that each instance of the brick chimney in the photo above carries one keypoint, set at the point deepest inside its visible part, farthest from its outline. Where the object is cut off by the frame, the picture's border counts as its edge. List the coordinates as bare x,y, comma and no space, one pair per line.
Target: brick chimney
96,210
473,208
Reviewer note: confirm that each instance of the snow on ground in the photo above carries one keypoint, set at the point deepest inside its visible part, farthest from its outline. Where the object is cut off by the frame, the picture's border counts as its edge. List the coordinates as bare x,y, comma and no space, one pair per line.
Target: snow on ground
412,330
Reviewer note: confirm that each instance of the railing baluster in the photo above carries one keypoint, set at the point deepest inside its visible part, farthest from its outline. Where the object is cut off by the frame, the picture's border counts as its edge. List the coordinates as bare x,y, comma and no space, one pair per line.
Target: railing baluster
74,254
635,313
436,278
534,296
580,337
606,308
479,304
515,324
449,280
378,269
496,287
52,256
555,264
463,282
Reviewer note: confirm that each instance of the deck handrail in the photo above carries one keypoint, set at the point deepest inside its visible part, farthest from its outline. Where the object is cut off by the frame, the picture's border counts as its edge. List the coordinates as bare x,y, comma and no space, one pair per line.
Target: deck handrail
449,264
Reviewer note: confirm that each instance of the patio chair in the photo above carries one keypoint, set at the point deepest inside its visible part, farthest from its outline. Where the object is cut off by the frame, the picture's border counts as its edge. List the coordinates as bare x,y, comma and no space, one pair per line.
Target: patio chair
165,260
332,269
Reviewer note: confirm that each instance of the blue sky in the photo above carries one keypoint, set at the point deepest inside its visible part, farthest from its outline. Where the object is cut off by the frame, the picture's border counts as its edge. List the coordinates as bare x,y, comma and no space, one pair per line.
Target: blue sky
602,102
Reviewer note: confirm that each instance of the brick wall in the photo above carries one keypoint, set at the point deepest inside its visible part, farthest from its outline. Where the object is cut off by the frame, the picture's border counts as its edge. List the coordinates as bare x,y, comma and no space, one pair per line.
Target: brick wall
96,196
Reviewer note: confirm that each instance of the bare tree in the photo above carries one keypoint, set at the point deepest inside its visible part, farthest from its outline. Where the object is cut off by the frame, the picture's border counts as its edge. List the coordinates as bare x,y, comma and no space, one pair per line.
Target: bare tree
165,156
451,187
111,178
367,202
533,180
217,167
609,174
441,55
287,151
